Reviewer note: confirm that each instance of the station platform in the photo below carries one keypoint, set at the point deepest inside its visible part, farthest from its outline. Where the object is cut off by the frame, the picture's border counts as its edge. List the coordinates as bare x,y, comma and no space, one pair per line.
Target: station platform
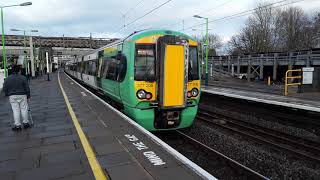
77,136
303,101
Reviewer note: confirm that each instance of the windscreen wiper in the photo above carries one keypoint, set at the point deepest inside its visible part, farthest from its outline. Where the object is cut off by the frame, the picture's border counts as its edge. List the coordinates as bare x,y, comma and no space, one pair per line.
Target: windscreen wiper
147,73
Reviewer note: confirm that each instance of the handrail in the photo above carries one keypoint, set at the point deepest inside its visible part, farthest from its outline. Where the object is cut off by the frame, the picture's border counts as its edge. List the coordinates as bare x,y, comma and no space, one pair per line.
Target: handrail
286,85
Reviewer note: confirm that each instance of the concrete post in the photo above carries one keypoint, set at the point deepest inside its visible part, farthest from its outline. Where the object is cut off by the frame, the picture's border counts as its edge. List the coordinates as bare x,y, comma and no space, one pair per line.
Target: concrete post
238,66
275,66
290,64
229,59
31,57
249,68
261,67
48,67
308,63
232,70
220,65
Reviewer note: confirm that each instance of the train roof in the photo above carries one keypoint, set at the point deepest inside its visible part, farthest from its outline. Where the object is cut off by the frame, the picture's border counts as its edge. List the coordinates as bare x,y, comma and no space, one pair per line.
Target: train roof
140,34
151,32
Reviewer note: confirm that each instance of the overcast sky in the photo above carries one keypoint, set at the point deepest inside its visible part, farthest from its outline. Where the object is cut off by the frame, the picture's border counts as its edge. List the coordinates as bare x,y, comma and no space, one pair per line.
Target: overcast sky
104,18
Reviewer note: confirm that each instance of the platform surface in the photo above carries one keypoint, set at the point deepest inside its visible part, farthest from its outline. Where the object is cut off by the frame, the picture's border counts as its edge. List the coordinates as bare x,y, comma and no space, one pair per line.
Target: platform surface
52,149
304,101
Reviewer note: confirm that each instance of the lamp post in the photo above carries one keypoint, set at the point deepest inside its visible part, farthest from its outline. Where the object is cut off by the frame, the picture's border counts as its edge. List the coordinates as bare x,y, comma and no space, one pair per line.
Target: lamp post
25,50
207,49
201,49
4,56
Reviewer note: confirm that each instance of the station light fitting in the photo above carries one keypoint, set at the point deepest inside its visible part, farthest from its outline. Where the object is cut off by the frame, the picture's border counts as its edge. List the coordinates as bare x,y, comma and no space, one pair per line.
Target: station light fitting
25,4
14,30
197,16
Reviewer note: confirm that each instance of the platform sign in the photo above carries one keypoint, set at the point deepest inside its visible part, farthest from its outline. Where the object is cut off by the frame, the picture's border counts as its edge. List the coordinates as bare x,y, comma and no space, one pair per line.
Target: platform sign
307,75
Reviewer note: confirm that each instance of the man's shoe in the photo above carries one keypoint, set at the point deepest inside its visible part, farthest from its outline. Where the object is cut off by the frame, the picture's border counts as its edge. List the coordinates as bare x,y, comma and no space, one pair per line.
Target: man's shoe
26,125
16,128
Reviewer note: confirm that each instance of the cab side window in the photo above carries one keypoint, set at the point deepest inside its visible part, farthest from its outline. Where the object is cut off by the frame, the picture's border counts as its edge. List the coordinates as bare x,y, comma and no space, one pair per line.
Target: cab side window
121,68
114,68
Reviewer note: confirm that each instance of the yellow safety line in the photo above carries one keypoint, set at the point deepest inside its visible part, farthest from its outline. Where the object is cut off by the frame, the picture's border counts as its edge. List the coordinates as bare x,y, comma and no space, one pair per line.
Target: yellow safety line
94,164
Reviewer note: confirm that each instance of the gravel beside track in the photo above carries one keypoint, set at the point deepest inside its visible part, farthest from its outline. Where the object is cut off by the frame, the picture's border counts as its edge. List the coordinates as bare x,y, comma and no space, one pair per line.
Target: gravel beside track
212,161
270,162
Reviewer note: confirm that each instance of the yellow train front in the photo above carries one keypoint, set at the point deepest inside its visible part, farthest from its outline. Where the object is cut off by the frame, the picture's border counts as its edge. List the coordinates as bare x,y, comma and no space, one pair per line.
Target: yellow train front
166,78
153,75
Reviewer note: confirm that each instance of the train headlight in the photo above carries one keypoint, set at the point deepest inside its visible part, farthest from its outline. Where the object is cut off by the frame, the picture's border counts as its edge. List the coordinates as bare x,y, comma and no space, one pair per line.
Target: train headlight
194,92
141,94
148,96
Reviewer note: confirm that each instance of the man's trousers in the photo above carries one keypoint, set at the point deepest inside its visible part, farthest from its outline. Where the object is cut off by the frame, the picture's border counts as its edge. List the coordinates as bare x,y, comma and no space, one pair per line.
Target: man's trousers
19,106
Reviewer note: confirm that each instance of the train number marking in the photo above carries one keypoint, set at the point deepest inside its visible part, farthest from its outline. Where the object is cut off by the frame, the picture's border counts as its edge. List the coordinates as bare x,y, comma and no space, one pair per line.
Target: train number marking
145,85
150,155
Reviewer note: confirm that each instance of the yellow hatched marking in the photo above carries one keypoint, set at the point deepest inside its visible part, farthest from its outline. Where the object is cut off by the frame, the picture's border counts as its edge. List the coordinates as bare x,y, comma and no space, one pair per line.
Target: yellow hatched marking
174,76
94,164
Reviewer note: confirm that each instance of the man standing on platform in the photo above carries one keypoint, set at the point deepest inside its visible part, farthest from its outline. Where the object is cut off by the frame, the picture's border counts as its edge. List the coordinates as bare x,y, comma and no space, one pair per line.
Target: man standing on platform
17,88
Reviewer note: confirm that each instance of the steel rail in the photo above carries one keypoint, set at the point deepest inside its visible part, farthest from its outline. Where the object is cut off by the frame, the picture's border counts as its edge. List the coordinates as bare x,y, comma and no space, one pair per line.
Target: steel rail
231,162
243,130
308,144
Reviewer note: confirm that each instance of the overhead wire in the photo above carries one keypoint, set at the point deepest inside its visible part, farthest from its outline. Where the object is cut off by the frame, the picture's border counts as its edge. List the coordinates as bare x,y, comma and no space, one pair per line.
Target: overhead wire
243,13
132,8
218,6
144,15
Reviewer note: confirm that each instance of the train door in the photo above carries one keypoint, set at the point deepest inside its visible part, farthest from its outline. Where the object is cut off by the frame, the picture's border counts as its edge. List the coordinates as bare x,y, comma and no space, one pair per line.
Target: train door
99,70
172,53
121,69
81,67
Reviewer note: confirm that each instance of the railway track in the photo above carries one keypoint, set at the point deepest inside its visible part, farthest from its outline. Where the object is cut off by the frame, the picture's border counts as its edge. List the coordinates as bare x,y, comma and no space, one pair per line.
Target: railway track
300,147
211,160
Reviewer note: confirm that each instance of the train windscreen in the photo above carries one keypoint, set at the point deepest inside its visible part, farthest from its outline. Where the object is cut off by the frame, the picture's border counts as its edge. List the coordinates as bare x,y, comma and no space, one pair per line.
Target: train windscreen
144,66
193,64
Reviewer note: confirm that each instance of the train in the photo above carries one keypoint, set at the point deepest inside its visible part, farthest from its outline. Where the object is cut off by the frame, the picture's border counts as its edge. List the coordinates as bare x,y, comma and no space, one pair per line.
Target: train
153,75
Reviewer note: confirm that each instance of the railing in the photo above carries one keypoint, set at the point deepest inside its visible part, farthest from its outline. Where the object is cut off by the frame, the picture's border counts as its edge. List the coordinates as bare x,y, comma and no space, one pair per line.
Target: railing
286,84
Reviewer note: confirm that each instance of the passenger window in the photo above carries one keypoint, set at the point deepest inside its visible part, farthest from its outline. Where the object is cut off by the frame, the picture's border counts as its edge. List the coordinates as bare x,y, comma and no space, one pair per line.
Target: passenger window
121,67
93,68
89,67
111,72
85,67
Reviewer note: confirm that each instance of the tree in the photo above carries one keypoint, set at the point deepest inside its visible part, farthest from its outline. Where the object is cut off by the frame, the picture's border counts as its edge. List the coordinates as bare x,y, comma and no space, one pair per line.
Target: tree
214,43
316,31
257,35
273,29
294,28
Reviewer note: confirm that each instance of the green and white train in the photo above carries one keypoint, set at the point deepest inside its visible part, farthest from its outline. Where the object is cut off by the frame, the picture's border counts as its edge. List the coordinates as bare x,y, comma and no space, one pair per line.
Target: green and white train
153,74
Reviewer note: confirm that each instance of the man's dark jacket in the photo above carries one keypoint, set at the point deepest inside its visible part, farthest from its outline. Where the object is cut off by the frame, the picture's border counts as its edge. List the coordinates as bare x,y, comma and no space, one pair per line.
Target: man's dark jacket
16,84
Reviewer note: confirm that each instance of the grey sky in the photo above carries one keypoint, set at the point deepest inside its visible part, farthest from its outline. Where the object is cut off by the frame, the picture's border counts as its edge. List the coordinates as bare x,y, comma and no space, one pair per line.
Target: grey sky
103,18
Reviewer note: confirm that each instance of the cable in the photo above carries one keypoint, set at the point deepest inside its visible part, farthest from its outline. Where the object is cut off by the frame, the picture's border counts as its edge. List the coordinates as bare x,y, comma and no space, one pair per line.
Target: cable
244,13
220,5
149,12
132,8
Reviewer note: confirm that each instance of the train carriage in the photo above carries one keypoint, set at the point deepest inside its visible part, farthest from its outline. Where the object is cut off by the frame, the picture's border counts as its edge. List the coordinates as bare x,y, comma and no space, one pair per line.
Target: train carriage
154,75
